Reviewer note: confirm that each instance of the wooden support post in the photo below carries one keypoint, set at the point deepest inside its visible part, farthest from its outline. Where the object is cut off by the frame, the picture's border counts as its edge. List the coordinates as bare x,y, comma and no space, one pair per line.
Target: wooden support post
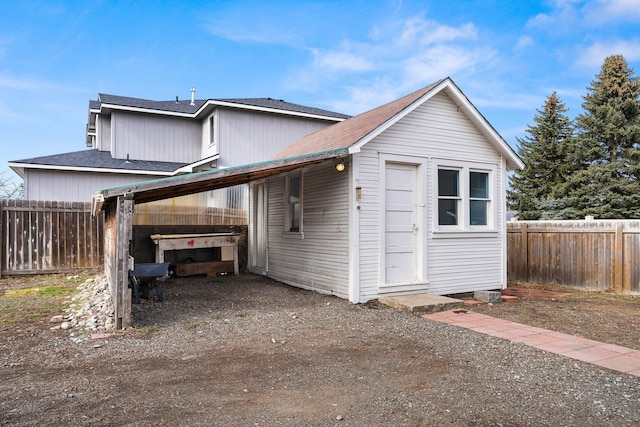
618,259
124,214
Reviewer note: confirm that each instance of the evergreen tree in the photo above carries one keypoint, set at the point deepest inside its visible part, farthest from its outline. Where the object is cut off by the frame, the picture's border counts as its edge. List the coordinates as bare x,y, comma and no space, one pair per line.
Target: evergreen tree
608,184
547,153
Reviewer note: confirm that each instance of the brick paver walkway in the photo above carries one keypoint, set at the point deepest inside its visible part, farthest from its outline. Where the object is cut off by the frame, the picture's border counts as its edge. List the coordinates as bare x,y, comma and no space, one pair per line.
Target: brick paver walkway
607,355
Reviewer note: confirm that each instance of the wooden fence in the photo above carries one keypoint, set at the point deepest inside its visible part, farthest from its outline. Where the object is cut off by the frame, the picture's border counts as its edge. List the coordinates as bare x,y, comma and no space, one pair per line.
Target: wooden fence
595,255
45,237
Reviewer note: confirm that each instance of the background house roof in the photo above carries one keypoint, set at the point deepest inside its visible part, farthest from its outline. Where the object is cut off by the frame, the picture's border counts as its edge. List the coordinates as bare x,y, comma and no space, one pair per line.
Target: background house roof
96,160
184,106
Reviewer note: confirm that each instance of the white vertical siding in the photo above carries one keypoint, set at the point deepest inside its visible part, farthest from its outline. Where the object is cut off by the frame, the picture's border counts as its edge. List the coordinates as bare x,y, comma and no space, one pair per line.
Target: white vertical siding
69,186
247,137
149,137
435,131
103,133
319,260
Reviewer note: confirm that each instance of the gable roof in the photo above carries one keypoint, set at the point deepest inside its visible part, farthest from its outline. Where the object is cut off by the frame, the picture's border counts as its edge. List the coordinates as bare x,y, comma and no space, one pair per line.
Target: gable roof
350,131
358,130
95,161
184,107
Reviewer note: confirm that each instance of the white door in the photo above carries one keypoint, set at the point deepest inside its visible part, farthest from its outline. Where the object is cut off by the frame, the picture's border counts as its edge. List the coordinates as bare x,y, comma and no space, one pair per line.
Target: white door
400,223
259,252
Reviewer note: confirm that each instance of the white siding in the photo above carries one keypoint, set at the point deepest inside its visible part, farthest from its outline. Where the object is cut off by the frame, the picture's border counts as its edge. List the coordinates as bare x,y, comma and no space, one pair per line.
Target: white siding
103,133
319,260
247,137
67,186
160,138
465,262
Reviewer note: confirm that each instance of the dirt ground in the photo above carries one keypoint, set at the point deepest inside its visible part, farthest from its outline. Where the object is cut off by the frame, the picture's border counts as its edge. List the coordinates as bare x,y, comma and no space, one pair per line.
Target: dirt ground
600,316
249,351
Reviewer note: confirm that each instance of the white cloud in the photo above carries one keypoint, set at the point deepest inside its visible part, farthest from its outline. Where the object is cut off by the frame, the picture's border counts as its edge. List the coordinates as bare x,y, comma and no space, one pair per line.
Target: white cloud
397,56
442,61
524,42
9,82
359,99
425,32
263,33
600,12
567,15
341,61
594,55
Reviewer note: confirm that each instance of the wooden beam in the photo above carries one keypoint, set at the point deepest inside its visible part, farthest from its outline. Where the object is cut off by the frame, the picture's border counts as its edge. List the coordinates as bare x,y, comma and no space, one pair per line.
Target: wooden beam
124,260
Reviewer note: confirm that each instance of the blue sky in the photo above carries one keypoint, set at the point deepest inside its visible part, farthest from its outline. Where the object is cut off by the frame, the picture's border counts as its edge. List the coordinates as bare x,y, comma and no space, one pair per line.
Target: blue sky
347,56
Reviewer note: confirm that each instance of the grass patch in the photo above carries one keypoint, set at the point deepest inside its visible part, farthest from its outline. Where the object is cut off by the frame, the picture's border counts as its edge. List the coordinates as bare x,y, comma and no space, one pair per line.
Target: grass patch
35,298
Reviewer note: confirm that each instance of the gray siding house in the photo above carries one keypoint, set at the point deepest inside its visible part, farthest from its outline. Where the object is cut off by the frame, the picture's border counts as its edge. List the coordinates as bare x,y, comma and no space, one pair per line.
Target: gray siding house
132,139
406,198
418,207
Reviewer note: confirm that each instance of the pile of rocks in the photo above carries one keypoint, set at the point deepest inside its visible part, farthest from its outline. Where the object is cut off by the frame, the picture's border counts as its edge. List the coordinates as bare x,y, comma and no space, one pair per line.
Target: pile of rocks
91,310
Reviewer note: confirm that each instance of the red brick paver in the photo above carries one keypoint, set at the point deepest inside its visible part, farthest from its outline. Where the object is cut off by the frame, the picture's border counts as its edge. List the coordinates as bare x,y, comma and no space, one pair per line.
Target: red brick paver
606,355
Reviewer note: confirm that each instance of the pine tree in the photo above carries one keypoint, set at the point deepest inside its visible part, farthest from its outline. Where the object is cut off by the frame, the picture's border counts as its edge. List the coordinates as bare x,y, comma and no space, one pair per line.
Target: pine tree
546,152
608,184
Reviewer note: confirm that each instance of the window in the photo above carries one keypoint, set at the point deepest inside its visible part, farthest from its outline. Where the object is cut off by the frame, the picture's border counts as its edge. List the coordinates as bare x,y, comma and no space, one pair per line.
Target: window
293,215
478,198
212,129
464,197
448,196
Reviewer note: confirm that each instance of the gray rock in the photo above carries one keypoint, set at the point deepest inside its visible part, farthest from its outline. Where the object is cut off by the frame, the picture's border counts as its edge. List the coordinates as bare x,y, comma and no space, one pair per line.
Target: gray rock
488,296
66,325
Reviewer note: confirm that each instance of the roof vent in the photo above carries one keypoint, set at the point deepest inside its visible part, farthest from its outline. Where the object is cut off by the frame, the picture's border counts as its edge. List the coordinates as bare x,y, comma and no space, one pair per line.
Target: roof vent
193,96
176,99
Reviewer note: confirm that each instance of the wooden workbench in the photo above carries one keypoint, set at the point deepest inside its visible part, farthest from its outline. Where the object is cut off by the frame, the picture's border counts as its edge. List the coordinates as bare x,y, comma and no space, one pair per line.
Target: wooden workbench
168,242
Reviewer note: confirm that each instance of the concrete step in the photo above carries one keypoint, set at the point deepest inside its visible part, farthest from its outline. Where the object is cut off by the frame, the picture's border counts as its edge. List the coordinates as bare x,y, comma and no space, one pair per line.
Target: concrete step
421,303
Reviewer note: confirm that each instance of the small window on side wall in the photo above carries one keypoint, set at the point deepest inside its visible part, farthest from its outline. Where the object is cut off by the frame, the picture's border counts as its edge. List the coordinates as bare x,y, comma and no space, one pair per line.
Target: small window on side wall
212,129
293,215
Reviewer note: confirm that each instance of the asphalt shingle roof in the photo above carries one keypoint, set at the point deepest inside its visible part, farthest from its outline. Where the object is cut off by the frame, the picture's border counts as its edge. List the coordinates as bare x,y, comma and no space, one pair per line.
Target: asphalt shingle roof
184,106
100,160
350,131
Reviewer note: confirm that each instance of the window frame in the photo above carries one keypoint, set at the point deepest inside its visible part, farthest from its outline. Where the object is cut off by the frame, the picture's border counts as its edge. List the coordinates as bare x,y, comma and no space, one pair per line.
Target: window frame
486,200
213,127
288,226
465,169
456,198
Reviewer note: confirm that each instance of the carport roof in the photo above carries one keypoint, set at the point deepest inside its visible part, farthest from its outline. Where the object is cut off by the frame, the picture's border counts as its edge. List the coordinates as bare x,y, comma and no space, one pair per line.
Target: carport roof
163,188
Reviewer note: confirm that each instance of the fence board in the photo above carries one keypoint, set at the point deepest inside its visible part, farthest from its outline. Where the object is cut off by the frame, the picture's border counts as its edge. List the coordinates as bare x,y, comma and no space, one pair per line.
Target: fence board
49,236
40,237
590,254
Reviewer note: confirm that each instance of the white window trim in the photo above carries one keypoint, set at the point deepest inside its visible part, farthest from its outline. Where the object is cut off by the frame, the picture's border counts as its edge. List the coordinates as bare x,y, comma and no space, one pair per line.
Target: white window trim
287,211
463,225
213,139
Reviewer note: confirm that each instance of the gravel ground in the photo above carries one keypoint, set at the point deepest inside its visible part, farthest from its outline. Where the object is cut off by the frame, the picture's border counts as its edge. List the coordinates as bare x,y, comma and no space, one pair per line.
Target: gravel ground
247,351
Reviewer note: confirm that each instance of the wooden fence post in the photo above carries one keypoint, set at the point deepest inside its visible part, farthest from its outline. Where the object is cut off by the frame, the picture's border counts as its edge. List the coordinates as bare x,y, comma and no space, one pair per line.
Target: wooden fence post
524,252
1,239
618,259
